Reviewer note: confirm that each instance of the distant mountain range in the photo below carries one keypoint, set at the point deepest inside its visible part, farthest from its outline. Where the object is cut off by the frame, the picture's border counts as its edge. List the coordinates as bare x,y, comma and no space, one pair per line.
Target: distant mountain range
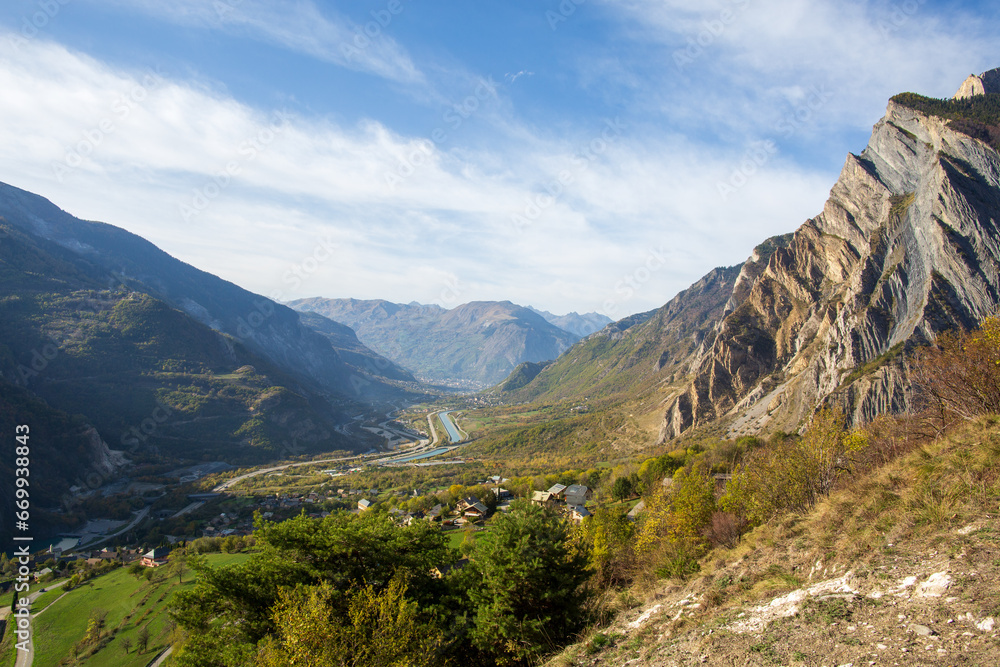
907,246
138,356
581,325
476,344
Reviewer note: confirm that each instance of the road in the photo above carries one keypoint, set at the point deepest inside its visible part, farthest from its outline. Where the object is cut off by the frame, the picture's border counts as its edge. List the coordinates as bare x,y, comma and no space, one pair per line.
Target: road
434,433
160,659
25,658
254,473
376,459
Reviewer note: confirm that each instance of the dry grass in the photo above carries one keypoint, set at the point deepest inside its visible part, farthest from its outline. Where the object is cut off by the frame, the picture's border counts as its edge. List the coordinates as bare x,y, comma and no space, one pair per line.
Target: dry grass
903,511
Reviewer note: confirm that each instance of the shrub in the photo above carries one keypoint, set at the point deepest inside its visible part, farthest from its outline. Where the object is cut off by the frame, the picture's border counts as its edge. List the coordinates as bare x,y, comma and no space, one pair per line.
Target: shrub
726,529
793,474
959,376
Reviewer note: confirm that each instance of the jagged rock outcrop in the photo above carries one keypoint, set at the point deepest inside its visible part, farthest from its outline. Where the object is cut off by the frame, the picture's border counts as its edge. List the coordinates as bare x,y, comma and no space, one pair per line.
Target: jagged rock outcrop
907,246
984,84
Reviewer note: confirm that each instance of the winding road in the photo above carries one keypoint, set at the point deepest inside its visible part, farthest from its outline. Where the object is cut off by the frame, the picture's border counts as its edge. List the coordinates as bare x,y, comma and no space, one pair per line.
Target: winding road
454,434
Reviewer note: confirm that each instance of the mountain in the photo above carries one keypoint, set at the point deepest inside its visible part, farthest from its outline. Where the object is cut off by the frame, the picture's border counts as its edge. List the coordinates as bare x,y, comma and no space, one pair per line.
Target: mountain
906,247
522,375
640,353
353,351
478,343
264,326
581,325
139,358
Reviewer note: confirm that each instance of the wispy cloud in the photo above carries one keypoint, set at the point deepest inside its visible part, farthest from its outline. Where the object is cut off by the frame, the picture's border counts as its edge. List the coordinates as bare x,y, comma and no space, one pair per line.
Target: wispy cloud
740,66
296,25
272,186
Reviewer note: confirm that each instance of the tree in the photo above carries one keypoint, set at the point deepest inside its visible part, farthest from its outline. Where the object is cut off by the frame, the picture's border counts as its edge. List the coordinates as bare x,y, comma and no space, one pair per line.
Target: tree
126,645
230,609
530,594
624,487
178,566
692,502
380,628
142,639
610,535
196,562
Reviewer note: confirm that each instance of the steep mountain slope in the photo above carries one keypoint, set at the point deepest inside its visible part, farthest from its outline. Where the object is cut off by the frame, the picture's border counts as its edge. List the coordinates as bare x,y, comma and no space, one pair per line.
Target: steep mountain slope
117,355
353,351
575,323
906,247
478,342
898,567
109,374
270,329
640,353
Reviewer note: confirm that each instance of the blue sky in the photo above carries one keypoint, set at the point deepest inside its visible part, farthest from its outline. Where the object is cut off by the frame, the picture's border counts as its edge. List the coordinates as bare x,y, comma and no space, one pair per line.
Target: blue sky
584,155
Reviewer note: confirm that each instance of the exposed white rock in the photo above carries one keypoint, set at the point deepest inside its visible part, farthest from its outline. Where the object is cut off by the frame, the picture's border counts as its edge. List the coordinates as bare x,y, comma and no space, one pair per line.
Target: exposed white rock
646,615
935,586
789,605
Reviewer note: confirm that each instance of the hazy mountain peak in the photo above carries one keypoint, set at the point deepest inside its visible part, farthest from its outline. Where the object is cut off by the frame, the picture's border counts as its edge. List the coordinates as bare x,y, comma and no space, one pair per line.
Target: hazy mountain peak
575,323
478,343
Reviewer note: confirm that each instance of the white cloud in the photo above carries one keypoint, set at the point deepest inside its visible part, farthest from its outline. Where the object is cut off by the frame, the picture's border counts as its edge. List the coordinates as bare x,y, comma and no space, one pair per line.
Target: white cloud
296,25
742,66
298,182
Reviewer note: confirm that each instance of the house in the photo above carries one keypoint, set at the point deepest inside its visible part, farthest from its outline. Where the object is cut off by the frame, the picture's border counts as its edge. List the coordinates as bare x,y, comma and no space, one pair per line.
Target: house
541,498
637,510
442,570
156,557
41,573
435,513
465,503
557,493
131,555
578,494
476,510
503,494
364,504
577,513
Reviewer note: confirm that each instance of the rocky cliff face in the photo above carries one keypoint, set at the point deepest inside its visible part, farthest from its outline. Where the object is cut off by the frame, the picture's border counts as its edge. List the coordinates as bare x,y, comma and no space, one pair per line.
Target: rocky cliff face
907,246
984,84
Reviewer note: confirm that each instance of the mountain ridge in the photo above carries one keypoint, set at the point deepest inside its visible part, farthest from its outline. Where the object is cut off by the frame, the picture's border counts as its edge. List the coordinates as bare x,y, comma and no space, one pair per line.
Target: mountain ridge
905,248
479,342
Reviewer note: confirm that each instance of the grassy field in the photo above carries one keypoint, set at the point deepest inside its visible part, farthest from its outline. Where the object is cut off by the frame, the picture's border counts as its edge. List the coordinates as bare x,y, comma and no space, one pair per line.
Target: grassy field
7,643
128,604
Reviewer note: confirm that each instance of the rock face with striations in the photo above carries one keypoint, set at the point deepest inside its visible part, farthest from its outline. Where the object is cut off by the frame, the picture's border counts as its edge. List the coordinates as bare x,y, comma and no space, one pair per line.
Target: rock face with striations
907,246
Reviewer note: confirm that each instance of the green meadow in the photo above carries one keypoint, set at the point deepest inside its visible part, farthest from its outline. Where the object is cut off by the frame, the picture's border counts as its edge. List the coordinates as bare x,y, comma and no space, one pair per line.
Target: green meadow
127,604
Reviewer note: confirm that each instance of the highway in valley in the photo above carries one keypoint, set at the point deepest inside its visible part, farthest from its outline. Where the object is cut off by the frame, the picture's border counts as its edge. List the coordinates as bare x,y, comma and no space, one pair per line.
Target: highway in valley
425,449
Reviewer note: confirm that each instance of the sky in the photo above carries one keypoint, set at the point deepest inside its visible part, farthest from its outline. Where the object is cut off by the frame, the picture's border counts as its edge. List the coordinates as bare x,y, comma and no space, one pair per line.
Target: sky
572,155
